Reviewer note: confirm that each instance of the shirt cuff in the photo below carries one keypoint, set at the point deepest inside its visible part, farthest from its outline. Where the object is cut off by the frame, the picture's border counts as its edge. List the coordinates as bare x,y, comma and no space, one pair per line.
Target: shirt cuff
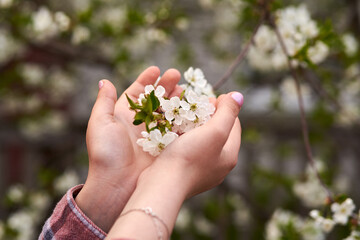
69,222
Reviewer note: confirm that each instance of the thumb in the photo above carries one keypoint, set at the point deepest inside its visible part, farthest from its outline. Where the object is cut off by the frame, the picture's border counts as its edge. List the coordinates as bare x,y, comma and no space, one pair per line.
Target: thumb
227,110
106,99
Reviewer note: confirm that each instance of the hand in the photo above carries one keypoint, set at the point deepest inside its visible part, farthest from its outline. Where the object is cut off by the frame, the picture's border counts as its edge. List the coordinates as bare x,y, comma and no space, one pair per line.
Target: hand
195,162
115,160
205,155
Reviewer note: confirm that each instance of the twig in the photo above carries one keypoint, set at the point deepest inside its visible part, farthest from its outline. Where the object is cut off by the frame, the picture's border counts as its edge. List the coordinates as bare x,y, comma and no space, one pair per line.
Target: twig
239,58
304,125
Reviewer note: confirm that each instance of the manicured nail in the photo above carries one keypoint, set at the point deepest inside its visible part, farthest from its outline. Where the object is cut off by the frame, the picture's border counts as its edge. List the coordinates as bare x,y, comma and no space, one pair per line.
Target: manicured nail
101,84
238,97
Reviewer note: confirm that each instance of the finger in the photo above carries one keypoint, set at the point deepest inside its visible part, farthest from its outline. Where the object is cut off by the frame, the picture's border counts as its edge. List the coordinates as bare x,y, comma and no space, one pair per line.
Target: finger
106,99
176,92
230,151
169,80
221,123
219,99
212,101
147,77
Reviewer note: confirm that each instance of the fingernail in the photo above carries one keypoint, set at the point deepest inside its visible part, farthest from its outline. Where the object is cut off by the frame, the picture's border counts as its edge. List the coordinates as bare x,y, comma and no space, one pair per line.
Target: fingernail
238,97
101,84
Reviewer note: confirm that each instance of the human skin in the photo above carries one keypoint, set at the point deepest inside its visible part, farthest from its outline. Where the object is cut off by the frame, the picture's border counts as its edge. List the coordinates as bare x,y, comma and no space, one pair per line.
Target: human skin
115,160
195,162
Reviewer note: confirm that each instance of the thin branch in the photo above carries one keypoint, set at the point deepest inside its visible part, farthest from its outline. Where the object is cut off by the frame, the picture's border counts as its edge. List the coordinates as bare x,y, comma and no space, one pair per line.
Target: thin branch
239,58
304,125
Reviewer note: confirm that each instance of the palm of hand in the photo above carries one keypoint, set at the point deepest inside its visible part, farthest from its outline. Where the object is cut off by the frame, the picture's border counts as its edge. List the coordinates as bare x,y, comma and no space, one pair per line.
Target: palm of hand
111,137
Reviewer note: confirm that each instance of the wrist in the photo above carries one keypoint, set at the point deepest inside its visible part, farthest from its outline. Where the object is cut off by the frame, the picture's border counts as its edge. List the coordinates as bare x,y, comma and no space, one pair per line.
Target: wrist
165,176
163,187
102,201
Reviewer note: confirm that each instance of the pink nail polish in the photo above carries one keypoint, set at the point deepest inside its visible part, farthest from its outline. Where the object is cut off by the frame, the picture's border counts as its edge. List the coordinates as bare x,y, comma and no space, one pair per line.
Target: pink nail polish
238,97
101,84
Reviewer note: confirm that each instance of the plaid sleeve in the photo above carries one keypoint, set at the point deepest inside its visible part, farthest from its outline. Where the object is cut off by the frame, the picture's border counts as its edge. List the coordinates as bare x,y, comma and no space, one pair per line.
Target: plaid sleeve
69,222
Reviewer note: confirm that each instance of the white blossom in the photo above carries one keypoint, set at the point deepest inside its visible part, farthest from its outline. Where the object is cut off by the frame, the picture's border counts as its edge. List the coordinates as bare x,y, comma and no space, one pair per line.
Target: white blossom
282,218
66,181
350,43
156,35
203,225
81,5
183,219
241,215
43,23
61,84
62,21
175,109
310,191
6,3
354,235
154,142
326,224
200,107
2,230
342,211
295,27
9,47
80,35
178,115
159,92
23,223
182,23
114,16
349,97
318,52
195,77
289,96
47,25
197,83
39,201
33,74
16,193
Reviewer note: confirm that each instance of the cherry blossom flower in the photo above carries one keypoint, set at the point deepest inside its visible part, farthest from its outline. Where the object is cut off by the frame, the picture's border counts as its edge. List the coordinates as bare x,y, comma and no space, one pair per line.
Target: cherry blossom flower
154,142
159,92
200,107
342,211
195,77
171,117
326,224
295,27
175,109
355,235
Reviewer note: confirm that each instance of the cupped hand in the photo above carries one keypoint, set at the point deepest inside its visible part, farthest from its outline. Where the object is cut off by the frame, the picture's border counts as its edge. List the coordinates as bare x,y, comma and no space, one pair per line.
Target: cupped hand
205,155
115,160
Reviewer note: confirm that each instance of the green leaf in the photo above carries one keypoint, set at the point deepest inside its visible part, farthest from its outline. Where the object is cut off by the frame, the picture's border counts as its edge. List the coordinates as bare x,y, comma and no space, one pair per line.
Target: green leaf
133,105
147,105
148,120
154,100
139,118
137,122
140,115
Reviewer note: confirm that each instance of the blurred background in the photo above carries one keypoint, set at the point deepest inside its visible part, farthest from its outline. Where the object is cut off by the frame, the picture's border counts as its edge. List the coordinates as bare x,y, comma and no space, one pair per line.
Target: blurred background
53,53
